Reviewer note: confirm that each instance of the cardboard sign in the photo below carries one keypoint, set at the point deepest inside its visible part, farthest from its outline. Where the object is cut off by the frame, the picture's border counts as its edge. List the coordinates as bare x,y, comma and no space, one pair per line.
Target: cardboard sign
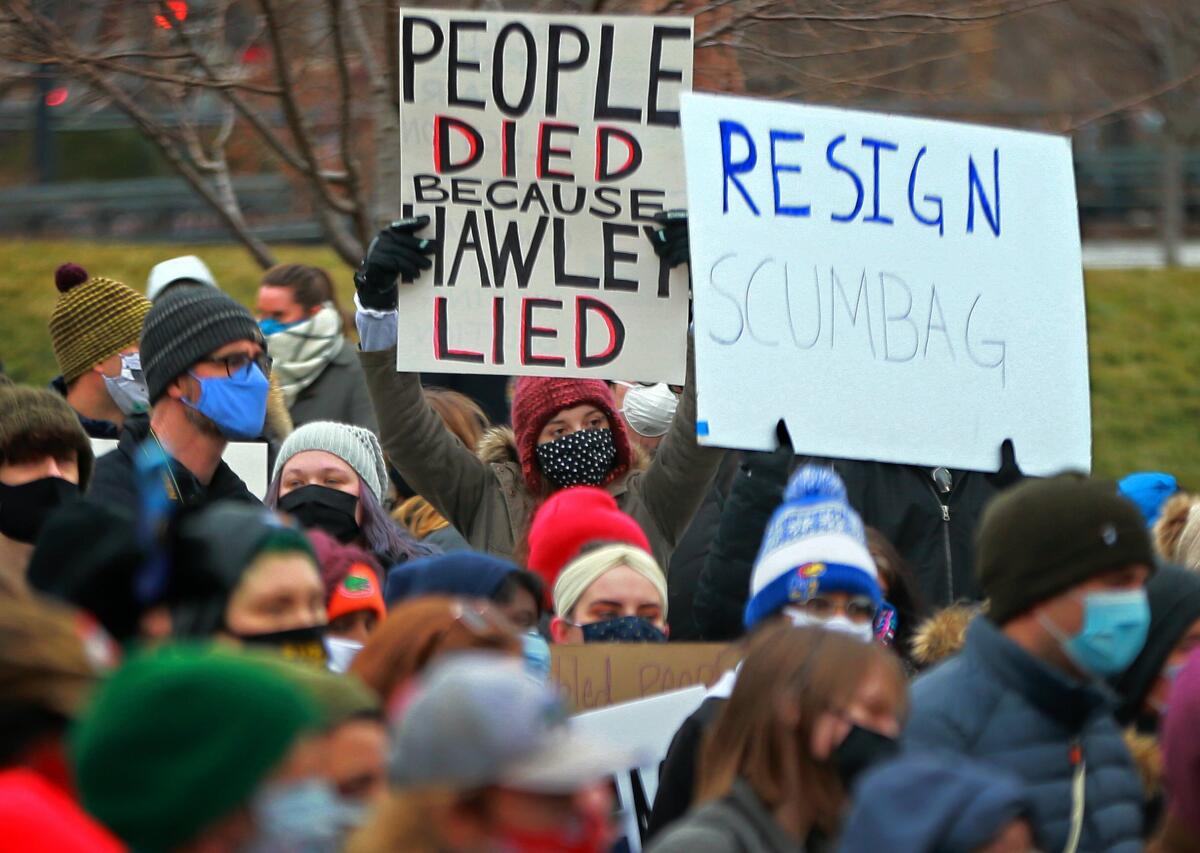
894,288
541,146
596,675
247,459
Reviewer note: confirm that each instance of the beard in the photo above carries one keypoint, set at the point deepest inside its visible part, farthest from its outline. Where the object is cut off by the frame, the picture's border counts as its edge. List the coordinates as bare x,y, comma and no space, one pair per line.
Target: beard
203,423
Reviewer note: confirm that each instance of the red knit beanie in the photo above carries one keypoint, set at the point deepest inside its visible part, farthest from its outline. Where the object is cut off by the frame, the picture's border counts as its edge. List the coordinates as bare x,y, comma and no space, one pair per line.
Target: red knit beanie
536,399
570,519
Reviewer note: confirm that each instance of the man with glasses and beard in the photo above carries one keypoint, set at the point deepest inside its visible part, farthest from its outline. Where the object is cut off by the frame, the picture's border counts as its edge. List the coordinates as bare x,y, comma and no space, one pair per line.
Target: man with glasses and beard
206,372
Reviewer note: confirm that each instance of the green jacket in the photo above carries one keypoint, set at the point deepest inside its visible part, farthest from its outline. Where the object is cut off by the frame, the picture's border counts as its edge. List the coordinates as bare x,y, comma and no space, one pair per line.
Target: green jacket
490,504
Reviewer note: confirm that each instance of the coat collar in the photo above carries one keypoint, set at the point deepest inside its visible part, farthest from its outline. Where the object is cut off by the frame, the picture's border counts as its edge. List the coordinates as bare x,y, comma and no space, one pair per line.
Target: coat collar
94,427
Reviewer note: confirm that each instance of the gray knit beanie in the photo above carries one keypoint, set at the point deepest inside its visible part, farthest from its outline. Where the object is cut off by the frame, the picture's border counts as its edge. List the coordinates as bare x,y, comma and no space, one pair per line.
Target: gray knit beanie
186,324
357,447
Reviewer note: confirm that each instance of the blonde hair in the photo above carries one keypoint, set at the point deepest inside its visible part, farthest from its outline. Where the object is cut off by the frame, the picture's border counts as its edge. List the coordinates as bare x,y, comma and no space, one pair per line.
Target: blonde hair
585,569
1177,531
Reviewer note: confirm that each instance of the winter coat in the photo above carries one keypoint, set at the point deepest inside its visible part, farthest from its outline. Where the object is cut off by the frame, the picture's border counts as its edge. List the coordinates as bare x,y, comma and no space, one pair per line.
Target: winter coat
114,480
933,532
489,503
997,703
94,427
739,822
677,774
339,394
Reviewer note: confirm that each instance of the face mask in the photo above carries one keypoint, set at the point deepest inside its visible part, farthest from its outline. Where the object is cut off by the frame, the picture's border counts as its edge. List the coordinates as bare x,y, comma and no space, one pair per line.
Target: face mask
303,645
537,655
801,619
128,388
581,458
1114,630
342,653
329,509
271,326
585,834
307,815
624,629
25,508
861,749
649,409
236,404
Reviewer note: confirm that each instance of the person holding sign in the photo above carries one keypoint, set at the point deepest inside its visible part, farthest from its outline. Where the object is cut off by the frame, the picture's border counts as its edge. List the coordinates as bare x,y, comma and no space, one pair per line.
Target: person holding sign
567,431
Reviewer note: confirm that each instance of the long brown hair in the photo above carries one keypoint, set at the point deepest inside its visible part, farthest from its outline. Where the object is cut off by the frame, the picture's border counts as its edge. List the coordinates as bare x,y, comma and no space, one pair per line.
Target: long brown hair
311,287
788,680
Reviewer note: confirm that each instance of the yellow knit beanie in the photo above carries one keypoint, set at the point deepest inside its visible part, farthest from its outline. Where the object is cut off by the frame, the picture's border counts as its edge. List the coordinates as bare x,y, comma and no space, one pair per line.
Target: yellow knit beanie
93,319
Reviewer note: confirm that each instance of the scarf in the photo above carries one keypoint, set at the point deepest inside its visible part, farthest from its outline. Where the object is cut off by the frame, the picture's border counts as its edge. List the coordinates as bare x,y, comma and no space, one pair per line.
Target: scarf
303,351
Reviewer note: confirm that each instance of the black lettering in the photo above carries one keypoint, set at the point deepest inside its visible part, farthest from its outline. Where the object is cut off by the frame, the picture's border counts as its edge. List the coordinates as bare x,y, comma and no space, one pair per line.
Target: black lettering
603,110
562,278
410,58
612,256
667,118
499,66
455,64
556,64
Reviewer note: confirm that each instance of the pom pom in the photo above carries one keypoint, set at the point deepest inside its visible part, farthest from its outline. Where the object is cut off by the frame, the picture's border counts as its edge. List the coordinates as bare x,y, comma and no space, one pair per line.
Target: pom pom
815,482
69,275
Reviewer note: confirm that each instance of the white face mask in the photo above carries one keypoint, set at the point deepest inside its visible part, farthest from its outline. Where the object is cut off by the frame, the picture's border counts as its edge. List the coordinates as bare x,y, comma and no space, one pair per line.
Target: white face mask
649,409
800,619
342,653
128,388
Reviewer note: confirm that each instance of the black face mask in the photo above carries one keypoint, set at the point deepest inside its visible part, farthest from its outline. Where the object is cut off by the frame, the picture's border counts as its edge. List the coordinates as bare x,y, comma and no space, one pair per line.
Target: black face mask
303,645
581,458
325,508
862,749
624,629
25,508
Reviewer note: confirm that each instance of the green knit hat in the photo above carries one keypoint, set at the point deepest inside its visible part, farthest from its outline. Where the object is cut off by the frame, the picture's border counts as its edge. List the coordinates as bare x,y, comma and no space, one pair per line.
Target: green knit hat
36,422
180,737
93,319
1042,537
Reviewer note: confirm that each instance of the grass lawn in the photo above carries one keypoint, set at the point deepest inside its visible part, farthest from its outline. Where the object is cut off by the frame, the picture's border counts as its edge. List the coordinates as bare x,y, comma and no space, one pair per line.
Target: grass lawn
1142,324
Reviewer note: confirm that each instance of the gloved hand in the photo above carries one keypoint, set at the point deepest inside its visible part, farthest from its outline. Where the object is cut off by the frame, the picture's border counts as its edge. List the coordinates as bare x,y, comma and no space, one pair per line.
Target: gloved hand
1009,473
671,241
395,251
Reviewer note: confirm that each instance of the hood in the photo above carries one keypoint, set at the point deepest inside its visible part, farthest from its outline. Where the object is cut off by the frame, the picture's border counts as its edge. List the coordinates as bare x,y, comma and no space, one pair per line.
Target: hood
942,634
1147,757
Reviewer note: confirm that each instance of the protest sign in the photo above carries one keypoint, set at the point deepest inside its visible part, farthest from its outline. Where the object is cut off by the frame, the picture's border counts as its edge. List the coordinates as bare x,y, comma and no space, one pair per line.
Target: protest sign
596,675
247,459
894,288
541,146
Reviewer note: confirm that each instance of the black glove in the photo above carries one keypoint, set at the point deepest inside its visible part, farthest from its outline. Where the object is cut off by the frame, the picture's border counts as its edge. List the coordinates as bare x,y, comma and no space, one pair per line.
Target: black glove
671,241
1009,473
395,251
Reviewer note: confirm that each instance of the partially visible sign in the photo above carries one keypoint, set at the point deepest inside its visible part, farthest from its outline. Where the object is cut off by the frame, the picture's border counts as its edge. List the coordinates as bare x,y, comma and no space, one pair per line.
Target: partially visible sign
247,459
596,675
894,288
541,146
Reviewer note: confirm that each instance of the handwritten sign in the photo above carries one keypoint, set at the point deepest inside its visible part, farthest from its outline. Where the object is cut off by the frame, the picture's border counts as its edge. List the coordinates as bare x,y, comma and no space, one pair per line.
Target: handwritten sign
248,460
894,288
541,146
596,675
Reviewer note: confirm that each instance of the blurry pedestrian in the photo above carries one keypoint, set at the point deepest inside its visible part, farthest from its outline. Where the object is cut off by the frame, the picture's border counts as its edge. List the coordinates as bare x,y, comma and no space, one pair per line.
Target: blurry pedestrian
353,596
206,373
183,270
484,760
95,329
1181,752
1149,491
317,369
45,462
610,593
1063,563
467,574
899,589
1177,531
333,477
811,710
566,432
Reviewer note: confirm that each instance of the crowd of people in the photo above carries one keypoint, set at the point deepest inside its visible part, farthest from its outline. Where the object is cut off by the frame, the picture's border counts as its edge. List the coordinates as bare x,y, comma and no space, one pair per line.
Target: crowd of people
361,658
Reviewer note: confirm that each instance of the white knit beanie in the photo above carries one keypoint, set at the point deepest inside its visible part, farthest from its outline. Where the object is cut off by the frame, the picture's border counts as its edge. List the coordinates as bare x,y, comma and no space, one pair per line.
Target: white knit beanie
357,447
583,571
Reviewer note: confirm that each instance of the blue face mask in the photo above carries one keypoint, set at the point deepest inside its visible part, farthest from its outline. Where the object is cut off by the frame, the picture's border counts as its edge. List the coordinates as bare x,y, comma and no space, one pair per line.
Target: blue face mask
537,655
271,326
305,815
1114,630
237,404
625,629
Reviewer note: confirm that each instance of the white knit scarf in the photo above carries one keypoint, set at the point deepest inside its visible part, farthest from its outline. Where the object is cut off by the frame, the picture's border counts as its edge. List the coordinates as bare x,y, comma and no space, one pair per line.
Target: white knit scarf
303,351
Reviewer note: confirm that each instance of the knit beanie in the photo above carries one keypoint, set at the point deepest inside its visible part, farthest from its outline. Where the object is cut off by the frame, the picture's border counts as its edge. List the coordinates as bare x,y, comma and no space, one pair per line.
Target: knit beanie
180,737
536,399
466,574
1174,597
571,518
357,447
185,325
92,320
36,422
1148,490
1042,537
813,543
583,571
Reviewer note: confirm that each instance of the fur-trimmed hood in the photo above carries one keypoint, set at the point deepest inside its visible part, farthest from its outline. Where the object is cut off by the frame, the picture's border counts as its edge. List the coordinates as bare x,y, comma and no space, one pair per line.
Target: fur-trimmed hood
942,634
499,445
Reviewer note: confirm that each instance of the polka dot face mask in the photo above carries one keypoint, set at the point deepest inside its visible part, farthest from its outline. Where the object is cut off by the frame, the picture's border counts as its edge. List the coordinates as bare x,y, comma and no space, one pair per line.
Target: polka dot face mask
581,458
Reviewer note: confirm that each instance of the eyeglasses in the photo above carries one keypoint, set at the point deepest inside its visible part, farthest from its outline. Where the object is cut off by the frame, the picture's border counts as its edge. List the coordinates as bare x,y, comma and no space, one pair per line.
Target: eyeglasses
239,361
857,610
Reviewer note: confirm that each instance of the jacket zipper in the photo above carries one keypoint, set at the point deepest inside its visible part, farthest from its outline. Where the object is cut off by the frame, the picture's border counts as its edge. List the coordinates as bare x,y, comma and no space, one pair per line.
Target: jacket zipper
945,539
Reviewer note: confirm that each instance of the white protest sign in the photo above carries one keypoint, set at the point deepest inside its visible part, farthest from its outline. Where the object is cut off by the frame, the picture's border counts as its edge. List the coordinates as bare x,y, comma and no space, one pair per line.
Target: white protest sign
894,288
541,146
247,459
